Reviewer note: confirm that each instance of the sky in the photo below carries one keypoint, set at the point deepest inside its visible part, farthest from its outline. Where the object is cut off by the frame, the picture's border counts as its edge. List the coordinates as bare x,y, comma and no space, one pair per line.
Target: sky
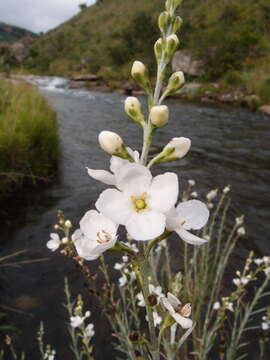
39,15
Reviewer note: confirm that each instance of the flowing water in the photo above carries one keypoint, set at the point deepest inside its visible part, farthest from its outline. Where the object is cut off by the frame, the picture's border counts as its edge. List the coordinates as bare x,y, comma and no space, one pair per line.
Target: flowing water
229,146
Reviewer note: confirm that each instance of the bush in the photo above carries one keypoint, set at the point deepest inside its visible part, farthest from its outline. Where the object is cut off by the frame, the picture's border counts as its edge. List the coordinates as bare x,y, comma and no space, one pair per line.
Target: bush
28,137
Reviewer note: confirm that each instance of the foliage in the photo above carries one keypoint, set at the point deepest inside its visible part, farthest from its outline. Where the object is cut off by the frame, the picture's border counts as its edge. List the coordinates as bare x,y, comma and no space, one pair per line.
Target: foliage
28,137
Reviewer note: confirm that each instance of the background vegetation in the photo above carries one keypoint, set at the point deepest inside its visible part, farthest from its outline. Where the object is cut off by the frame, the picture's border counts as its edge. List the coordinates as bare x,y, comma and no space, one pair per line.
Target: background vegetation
28,138
10,33
232,37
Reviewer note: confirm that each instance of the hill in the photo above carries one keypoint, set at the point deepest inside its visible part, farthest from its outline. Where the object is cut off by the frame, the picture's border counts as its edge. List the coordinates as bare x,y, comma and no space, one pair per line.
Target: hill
10,33
231,38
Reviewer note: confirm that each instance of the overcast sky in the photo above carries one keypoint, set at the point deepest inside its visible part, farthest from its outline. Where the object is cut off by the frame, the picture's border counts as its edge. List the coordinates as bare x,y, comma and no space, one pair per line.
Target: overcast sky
38,15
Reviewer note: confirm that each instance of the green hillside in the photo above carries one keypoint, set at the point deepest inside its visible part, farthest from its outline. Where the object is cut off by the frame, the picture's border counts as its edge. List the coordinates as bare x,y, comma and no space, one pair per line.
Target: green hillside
232,37
10,33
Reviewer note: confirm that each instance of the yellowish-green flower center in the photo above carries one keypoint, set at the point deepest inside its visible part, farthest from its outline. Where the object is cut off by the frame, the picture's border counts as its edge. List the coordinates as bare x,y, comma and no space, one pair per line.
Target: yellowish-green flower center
140,202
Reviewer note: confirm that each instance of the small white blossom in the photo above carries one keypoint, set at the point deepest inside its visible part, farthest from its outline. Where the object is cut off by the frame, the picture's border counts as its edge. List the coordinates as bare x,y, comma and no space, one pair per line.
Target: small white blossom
54,242
241,231
64,240
125,258
237,282
89,331
140,299
191,182
239,220
68,224
192,214
267,271
265,326
157,319
76,321
122,280
226,189
266,260
180,313
194,194
96,235
211,195
258,261
216,305
210,205
49,354
118,266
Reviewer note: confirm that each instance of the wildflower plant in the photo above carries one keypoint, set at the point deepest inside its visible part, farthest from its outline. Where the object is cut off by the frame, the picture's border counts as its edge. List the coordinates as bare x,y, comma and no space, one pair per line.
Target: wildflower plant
154,312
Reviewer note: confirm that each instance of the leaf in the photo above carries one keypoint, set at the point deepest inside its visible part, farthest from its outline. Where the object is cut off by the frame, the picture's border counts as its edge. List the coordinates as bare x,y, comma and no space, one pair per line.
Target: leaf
185,336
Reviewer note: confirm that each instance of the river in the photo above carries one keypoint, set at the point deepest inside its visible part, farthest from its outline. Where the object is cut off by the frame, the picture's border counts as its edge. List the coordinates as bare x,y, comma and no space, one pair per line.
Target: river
229,146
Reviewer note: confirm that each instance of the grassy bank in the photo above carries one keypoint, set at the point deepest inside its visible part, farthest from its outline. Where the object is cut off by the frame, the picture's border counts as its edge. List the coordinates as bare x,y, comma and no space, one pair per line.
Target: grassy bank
28,138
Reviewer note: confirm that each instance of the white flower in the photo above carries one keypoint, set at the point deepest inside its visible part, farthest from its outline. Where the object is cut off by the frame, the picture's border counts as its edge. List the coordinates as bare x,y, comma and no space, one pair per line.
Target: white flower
76,321
216,305
266,260
180,313
133,247
192,214
89,331
141,201
125,258
179,147
54,243
110,142
226,189
140,299
191,182
159,115
68,224
118,266
241,231
194,194
96,235
229,306
265,326
156,290
267,271
211,195
122,280
49,354
157,319
237,282
258,261
116,163
239,220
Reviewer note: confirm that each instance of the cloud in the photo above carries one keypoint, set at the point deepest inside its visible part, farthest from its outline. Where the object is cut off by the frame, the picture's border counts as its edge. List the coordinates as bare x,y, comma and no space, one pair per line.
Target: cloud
39,15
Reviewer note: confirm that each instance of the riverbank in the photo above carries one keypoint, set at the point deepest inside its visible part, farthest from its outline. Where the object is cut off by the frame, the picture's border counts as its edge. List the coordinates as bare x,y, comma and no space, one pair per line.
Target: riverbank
211,93
28,140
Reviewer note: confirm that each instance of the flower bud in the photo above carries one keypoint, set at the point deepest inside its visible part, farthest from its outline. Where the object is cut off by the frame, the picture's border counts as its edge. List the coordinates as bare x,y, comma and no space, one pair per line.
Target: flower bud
163,21
177,24
68,224
110,142
172,44
178,147
140,74
168,4
159,115
158,49
133,109
176,82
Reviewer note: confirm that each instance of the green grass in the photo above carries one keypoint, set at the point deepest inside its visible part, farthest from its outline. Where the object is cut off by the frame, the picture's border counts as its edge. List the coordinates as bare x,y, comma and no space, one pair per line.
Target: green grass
28,138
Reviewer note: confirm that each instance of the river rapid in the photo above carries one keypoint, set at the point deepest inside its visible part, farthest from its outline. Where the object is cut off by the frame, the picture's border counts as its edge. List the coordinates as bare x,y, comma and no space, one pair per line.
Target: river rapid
229,146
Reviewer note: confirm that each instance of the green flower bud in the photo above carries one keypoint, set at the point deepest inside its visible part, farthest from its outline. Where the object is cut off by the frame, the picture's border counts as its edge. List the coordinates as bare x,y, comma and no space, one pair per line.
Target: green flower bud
168,4
163,21
133,109
172,44
159,115
176,82
140,74
177,24
158,47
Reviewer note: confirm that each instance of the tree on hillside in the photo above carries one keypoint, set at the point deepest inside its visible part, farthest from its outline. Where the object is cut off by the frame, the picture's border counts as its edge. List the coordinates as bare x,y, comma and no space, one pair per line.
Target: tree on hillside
82,6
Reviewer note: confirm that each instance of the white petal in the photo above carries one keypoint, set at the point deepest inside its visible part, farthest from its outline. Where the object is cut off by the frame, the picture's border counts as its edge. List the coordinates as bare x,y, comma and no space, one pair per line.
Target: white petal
182,321
53,244
133,179
102,175
173,300
163,192
55,236
172,220
115,205
167,305
146,225
194,213
117,163
93,222
190,238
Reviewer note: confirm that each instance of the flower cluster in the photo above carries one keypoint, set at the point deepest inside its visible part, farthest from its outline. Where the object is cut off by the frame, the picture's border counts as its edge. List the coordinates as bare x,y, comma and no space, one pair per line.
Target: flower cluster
266,320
